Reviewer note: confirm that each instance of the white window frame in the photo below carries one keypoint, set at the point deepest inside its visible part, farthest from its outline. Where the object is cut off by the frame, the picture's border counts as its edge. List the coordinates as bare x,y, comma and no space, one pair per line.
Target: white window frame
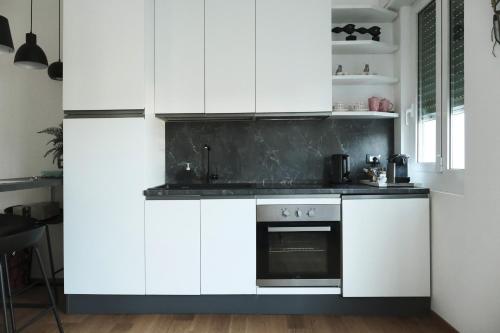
443,106
438,176
446,93
437,165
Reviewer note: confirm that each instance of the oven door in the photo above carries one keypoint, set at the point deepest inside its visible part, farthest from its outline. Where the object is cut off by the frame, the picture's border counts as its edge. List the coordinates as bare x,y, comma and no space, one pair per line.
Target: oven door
298,254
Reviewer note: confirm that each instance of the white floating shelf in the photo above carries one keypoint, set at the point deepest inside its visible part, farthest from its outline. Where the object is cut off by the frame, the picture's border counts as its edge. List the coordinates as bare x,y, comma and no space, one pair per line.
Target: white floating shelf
362,47
362,14
346,80
364,115
396,4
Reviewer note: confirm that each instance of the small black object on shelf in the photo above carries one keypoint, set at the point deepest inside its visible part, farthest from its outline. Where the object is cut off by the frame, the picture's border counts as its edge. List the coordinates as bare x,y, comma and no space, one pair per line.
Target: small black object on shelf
375,31
349,29
339,70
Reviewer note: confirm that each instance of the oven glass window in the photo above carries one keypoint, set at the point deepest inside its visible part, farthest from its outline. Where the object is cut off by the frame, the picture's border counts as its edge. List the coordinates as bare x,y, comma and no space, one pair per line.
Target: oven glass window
291,251
298,253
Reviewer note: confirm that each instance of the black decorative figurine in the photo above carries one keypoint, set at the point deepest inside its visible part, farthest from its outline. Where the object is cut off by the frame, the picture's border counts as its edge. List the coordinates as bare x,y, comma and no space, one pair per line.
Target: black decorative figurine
349,29
375,31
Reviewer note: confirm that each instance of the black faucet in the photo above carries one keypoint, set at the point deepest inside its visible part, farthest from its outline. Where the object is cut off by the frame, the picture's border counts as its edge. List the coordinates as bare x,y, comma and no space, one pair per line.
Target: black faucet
209,176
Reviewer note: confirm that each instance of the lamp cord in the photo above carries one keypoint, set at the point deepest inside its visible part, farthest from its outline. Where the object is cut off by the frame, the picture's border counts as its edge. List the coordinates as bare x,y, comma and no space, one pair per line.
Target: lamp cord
31,20
59,30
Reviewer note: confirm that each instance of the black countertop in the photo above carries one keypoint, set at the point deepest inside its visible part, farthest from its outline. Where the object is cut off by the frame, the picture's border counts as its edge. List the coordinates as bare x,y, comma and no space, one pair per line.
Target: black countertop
223,190
17,184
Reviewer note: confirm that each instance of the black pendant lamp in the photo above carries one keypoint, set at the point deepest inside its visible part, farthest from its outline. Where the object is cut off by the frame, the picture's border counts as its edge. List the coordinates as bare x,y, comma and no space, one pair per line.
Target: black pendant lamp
55,70
30,55
6,44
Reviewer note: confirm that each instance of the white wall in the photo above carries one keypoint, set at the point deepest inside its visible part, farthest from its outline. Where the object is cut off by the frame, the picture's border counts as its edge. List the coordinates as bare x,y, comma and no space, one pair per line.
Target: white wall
29,99
29,102
466,228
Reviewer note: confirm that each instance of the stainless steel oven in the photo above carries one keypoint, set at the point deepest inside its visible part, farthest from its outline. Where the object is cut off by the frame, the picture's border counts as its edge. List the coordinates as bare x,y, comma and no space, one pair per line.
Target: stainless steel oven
299,242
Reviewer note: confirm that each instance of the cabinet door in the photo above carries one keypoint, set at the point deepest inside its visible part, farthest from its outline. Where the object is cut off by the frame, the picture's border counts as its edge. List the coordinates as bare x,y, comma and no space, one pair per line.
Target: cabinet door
104,206
386,247
228,246
293,56
230,56
103,55
179,56
173,247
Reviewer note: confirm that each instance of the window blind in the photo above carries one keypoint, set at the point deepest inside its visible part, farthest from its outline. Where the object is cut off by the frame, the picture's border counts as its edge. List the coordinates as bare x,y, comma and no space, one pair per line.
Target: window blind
457,55
427,62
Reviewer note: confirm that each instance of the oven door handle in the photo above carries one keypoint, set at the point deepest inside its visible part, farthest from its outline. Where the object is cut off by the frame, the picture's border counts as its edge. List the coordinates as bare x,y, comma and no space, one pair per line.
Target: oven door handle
299,229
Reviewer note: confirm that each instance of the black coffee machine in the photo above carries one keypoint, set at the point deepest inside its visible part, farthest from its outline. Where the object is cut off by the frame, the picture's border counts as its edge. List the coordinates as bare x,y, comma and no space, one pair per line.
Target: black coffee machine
397,169
341,169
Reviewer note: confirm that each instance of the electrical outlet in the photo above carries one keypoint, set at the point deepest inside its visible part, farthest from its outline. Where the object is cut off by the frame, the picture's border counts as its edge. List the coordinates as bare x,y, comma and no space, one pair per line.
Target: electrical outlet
371,159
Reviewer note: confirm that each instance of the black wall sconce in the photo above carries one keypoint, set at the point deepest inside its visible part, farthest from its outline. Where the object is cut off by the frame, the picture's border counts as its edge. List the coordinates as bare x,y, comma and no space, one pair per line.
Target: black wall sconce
55,69
6,44
30,55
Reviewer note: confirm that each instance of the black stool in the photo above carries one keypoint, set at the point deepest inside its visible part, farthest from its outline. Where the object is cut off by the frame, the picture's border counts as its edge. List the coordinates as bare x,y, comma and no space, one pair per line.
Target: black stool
46,224
18,233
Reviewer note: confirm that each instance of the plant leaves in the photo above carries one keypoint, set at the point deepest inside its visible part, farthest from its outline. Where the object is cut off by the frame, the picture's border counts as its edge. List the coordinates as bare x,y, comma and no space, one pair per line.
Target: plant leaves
56,142
50,151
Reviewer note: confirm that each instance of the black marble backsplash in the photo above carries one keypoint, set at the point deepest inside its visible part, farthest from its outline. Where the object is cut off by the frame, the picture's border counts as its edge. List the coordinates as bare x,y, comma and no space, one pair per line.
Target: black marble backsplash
273,151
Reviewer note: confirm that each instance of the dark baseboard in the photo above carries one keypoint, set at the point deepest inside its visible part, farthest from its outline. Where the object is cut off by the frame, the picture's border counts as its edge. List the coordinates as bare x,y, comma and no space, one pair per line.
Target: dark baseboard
245,304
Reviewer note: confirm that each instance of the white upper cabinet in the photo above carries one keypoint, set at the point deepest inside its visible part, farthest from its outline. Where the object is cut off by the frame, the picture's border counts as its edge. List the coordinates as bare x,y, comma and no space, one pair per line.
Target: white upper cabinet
228,247
230,56
179,56
242,56
293,56
386,247
172,247
104,55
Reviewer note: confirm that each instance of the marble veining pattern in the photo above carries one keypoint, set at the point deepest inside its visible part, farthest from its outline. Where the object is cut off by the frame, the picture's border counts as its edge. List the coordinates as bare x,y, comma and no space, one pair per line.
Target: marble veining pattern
282,151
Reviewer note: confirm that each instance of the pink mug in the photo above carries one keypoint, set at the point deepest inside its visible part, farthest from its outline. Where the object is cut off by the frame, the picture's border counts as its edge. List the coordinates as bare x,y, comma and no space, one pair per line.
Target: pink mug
374,103
385,105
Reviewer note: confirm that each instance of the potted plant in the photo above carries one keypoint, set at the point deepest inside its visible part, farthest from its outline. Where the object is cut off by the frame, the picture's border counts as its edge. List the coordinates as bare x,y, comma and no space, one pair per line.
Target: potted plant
57,144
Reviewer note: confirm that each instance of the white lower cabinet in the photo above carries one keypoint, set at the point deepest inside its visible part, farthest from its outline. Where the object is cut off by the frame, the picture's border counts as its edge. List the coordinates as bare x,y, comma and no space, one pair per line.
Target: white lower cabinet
172,247
386,247
104,206
228,246
208,247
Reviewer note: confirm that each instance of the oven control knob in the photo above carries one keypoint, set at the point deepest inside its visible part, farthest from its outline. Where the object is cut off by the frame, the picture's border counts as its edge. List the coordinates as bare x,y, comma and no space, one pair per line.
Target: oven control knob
311,213
298,213
285,212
